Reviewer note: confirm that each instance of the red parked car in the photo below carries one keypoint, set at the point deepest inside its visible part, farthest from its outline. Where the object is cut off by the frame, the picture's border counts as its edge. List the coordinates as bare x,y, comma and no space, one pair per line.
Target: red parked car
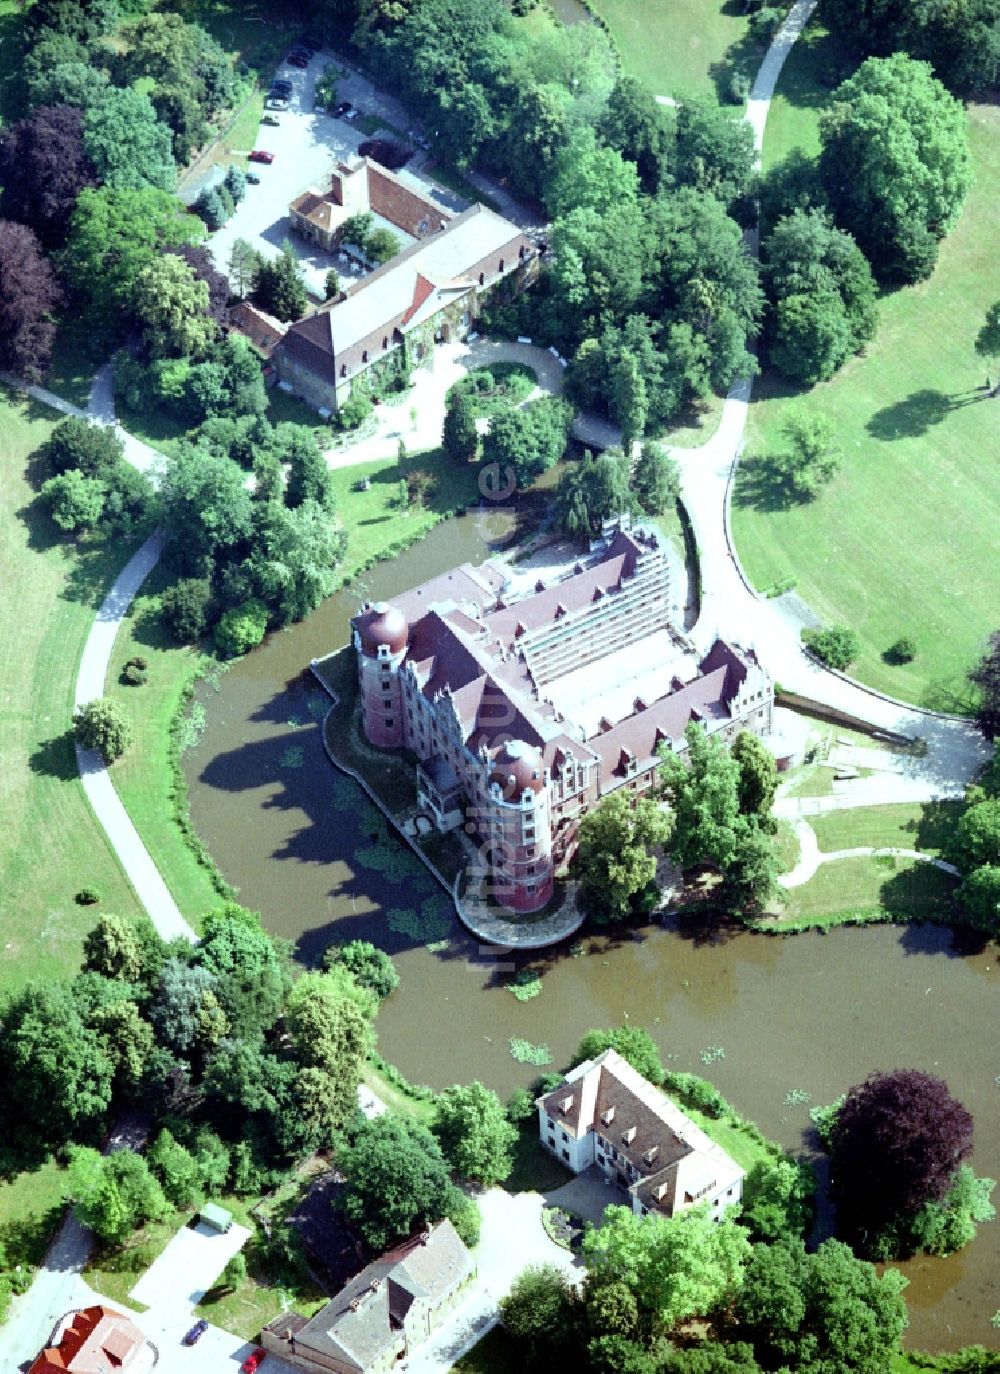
259,155
253,1362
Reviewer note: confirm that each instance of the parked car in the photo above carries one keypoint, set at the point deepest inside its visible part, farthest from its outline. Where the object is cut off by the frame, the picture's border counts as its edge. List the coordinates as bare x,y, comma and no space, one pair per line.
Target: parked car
277,102
342,110
253,1361
253,179
281,86
259,155
193,1336
352,115
270,119
297,59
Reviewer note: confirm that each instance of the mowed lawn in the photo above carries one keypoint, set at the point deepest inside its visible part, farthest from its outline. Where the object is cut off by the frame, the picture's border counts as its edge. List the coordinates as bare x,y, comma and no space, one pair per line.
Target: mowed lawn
50,843
680,48
906,540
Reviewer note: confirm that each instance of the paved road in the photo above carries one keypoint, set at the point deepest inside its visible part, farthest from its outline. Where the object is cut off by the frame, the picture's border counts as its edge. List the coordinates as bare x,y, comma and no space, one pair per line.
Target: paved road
512,1238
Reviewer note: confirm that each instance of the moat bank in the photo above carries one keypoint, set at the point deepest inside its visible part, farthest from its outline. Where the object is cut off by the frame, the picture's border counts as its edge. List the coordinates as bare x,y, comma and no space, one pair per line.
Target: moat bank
808,1012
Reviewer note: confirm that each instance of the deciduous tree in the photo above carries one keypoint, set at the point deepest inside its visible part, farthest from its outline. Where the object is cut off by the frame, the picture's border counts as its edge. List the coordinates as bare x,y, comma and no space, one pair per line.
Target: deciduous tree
613,864
715,152
370,966
988,341
817,1312
985,677
113,1194
127,144
206,507
474,1133
397,1180
171,306
103,725
57,1076
895,162
113,236
29,294
896,1144
591,492
633,1043
74,502
43,168
656,481
677,1267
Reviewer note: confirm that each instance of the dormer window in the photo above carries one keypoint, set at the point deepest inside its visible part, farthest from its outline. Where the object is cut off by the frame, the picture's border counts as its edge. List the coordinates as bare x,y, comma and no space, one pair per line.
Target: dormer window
566,1105
628,1136
608,1116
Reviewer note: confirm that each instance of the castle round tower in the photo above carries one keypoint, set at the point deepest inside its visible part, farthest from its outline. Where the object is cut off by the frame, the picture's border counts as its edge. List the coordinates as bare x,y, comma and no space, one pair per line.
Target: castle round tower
381,637
521,839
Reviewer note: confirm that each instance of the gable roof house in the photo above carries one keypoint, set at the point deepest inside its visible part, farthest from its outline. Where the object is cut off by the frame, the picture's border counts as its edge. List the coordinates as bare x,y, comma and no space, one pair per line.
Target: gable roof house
432,288
605,1113
95,1340
381,1315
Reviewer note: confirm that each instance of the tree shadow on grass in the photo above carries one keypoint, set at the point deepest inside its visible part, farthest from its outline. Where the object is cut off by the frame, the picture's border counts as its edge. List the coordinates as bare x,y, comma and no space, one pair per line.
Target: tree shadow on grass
55,757
920,411
920,892
761,485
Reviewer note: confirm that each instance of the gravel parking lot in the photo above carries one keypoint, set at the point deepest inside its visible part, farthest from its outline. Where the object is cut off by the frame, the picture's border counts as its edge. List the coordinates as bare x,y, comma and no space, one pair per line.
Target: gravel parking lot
306,144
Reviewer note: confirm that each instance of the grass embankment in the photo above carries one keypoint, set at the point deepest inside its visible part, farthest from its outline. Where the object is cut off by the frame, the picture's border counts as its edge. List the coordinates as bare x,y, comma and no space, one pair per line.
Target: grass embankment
904,541
50,843
875,888
683,49
377,524
144,777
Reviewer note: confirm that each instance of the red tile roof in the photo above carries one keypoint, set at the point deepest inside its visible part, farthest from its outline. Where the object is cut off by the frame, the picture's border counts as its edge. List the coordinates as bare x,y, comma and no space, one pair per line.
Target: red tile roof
97,1340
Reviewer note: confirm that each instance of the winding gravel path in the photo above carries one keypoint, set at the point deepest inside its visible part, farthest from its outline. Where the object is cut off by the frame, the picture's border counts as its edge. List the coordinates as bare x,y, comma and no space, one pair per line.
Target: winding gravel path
811,856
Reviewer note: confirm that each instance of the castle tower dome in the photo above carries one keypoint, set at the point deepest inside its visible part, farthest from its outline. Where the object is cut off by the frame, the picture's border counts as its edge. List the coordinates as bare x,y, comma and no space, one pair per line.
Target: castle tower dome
383,624
518,768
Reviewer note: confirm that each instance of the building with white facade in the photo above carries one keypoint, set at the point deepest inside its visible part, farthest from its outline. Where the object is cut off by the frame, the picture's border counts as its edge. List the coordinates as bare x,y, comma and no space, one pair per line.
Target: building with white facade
605,1113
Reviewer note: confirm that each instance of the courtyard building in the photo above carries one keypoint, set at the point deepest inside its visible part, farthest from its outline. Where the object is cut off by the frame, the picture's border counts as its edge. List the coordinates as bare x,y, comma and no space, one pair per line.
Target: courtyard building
523,709
384,1314
605,1113
432,290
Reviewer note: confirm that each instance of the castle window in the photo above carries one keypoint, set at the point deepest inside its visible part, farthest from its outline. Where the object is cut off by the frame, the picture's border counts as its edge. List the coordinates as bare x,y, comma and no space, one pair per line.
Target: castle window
364,355
385,340
482,278
388,723
500,268
343,369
